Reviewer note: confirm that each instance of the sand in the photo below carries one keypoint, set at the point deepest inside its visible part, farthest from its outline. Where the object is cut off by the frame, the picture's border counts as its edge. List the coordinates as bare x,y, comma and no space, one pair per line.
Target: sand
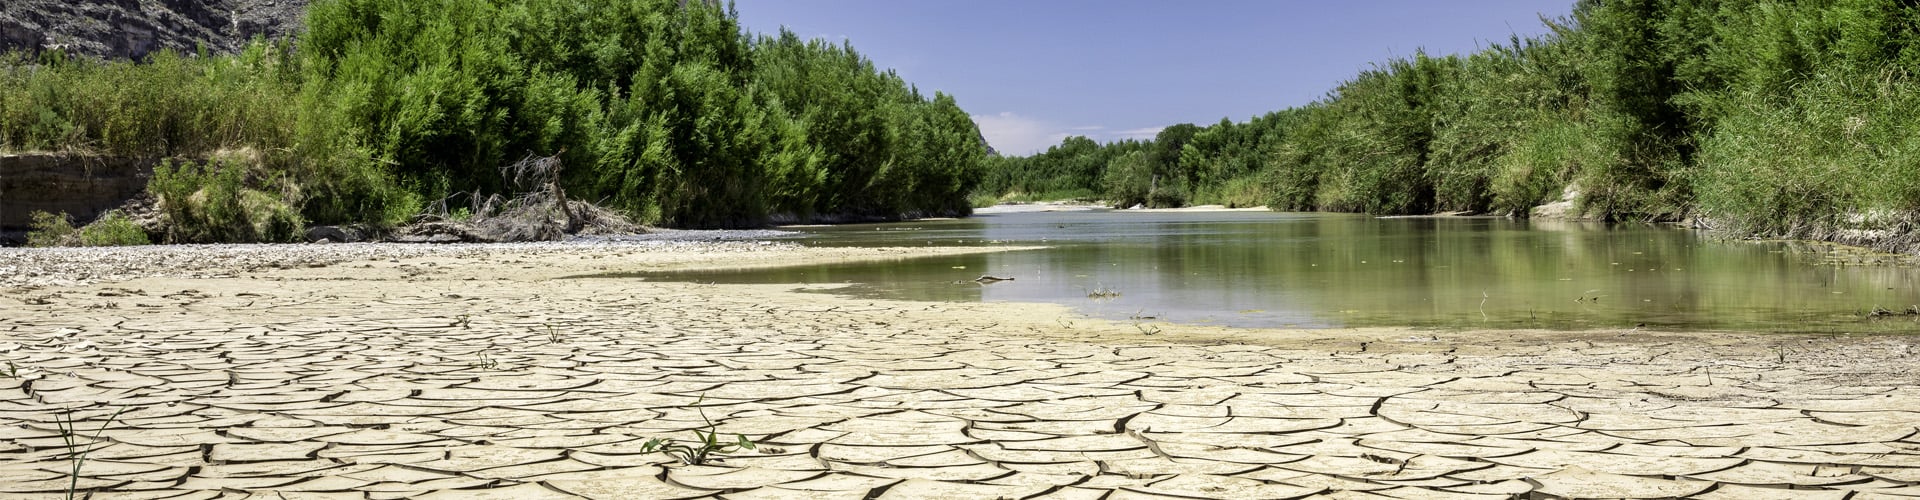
484,371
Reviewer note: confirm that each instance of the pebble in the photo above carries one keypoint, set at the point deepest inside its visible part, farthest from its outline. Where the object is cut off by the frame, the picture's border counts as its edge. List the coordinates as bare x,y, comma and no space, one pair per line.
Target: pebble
44,267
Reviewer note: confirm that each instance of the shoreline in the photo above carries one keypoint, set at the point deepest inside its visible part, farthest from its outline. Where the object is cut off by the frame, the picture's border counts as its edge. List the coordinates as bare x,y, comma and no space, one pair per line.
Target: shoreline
425,371
1071,206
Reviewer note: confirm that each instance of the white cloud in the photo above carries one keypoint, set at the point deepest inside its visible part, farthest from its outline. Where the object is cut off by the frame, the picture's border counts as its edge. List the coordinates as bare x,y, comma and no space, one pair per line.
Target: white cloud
1138,133
1016,135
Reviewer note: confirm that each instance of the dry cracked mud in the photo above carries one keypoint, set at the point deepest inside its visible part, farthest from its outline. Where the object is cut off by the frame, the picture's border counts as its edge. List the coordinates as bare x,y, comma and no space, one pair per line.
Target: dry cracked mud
493,375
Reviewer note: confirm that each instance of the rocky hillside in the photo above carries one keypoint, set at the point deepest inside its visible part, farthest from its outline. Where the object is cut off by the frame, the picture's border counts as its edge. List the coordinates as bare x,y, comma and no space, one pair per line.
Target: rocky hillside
135,28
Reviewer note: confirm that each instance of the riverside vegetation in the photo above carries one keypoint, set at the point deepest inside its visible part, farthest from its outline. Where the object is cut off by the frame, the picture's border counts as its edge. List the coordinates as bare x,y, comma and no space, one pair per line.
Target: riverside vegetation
1771,118
665,110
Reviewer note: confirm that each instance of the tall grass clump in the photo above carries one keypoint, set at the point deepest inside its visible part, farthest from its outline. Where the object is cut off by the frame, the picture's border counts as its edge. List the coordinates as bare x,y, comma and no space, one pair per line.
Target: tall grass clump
1837,153
170,105
1539,165
983,200
1240,192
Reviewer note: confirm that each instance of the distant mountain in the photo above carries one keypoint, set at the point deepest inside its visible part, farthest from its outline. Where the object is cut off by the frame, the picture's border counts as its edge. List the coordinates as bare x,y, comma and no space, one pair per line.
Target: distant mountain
131,29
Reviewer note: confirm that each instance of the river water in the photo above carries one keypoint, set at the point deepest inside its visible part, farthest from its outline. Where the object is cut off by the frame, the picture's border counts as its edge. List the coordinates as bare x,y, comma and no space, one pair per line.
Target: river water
1309,270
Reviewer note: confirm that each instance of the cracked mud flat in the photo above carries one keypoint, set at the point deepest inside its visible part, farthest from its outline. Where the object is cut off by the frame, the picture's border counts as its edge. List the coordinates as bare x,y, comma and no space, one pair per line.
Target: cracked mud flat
463,373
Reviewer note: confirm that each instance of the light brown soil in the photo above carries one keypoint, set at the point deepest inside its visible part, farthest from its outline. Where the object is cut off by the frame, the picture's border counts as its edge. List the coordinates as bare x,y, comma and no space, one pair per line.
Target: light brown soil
491,374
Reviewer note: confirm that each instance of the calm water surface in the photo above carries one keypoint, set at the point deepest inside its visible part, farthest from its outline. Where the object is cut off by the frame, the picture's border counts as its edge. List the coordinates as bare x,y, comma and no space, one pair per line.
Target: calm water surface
1336,270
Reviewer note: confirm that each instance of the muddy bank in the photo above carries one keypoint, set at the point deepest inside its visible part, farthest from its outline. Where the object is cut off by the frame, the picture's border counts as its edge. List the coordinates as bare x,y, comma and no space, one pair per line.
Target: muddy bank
80,186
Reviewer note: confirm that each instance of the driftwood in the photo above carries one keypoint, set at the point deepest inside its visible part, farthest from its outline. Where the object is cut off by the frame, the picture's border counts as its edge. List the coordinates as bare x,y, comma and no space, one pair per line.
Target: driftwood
988,278
540,212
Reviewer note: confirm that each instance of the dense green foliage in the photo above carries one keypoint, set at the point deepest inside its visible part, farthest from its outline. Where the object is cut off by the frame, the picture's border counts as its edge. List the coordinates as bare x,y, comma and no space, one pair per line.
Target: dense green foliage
111,230
1072,170
882,148
663,109
1771,117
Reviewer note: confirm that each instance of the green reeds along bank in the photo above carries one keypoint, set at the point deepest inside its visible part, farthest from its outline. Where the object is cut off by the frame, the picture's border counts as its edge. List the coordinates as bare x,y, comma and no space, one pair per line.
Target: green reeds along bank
1763,117
170,105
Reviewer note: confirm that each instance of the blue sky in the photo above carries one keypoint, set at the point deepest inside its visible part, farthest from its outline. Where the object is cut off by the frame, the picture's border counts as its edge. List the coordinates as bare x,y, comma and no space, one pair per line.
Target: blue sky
1032,72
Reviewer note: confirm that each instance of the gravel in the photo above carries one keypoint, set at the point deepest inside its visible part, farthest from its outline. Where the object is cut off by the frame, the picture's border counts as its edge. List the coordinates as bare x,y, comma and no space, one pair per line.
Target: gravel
41,267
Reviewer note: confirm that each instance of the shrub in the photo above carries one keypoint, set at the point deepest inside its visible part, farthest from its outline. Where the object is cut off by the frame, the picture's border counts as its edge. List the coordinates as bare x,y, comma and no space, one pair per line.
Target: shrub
1539,166
1129,179
1243,192
113,229
210,202
50,230
982,200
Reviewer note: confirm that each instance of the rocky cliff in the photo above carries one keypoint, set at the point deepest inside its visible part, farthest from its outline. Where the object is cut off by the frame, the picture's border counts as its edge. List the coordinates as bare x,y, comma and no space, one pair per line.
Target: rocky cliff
135,28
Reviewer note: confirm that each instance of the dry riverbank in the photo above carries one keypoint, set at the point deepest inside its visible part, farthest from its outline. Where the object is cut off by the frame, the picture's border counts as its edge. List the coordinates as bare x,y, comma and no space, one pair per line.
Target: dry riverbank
392,371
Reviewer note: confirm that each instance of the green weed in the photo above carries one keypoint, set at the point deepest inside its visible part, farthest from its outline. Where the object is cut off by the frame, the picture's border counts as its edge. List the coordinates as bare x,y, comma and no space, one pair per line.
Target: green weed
705,444
76,450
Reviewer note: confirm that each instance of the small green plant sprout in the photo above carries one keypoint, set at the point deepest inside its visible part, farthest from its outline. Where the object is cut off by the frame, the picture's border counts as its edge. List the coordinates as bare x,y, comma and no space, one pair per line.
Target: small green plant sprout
463,320
553,336
1781,352
13,370
485,362
705,444
77,449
